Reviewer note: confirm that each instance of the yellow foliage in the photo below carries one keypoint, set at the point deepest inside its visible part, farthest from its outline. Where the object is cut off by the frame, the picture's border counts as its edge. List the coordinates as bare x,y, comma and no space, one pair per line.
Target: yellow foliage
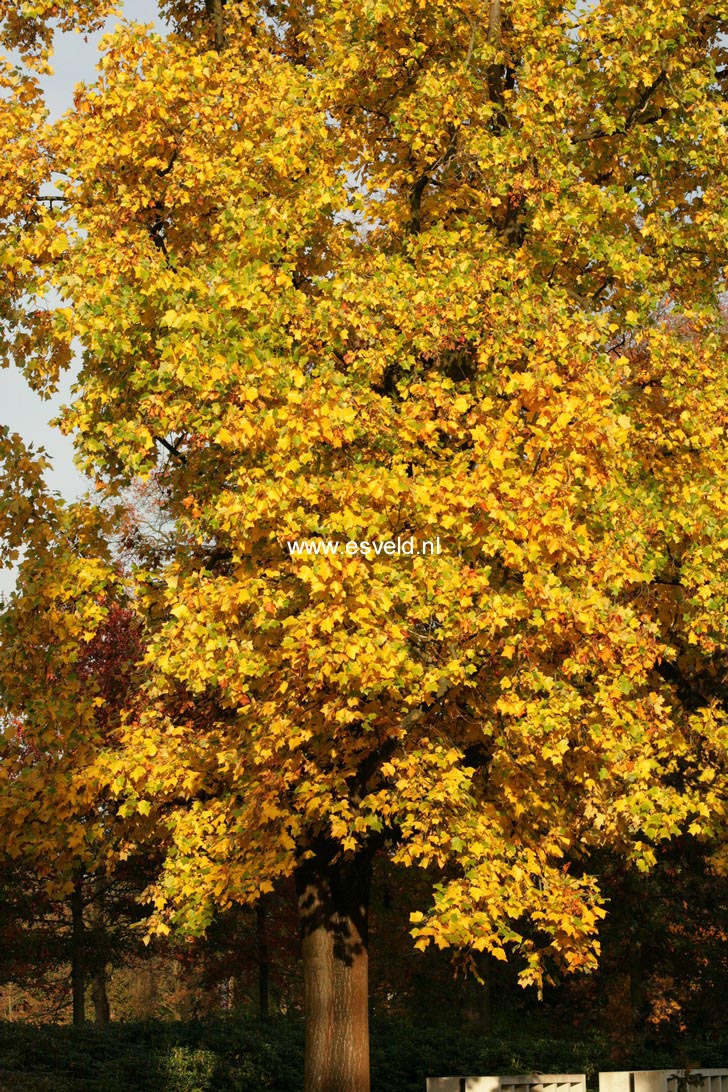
380,275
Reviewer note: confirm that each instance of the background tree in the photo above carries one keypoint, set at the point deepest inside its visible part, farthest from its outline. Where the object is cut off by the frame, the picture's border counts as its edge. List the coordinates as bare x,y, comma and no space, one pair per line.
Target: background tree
69,646
664,962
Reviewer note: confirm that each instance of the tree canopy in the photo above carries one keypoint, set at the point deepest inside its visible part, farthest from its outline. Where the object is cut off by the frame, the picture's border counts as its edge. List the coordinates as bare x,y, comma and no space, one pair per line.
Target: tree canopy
353,271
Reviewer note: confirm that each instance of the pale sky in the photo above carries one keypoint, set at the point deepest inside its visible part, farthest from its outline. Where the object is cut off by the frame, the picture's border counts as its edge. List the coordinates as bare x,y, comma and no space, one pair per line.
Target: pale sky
74,62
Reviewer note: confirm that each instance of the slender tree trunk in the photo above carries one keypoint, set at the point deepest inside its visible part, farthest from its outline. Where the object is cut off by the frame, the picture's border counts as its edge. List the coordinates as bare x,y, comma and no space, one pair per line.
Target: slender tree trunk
333,903
78,974
475,998
263,959
636,983
100,997
485,996
96,953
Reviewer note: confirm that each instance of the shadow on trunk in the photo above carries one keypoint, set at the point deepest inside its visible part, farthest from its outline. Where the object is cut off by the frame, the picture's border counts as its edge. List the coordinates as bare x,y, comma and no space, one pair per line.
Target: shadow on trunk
333,903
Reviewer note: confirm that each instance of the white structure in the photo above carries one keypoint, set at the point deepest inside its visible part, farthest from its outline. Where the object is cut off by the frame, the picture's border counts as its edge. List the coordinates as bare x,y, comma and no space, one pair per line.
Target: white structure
665,1080
638,1080
537,1082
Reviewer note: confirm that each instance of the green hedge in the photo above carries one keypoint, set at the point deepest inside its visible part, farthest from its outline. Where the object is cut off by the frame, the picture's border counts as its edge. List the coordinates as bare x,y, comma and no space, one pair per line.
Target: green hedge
241,1055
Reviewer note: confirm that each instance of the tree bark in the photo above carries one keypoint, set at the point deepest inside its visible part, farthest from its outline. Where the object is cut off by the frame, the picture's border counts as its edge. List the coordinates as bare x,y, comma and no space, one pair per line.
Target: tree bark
494,23
475,998
78,971
485,996
636,983
263,959
216,16
102,1012
333,904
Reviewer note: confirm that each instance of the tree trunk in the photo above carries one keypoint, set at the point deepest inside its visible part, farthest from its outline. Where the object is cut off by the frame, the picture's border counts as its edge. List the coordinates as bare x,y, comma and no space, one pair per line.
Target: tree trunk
263,960
100,997
216,16
78,973
636,983
475,997
333,904
485,996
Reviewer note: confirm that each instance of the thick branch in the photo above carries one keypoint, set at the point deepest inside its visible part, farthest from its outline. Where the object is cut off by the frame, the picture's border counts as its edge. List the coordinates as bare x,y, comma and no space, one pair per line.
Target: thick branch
415,221
215,14
495,75
494,24
170,448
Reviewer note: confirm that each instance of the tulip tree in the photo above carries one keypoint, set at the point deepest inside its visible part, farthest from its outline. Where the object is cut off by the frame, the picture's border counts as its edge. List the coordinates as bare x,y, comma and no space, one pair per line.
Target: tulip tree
359,271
